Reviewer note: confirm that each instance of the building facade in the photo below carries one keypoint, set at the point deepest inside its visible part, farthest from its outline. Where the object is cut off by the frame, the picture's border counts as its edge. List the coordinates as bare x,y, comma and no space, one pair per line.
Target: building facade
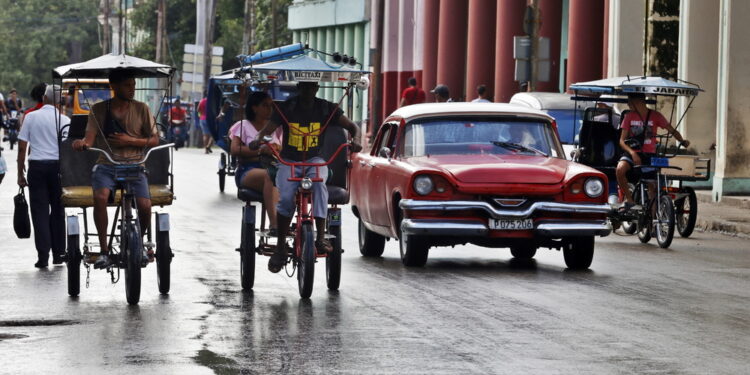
465,43
335,26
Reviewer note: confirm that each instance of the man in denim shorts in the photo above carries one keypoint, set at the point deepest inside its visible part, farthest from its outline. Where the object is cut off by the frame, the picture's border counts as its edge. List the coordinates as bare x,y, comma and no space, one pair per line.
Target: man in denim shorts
125,129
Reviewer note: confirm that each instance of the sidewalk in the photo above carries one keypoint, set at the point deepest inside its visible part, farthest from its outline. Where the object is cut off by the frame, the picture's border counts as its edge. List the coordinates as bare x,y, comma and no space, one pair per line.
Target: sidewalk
730,216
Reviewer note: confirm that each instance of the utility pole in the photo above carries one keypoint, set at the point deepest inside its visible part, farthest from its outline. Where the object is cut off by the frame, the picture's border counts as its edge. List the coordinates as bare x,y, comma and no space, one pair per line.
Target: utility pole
160,10
119,29
107,31
273,23
535,44
248,35
208,41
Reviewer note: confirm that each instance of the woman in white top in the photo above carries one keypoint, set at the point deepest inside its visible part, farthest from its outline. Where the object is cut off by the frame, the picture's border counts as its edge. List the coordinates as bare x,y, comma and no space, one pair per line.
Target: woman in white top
250,174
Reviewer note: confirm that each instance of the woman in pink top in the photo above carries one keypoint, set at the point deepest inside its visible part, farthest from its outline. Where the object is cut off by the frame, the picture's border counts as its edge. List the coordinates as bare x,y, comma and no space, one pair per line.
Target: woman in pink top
250,174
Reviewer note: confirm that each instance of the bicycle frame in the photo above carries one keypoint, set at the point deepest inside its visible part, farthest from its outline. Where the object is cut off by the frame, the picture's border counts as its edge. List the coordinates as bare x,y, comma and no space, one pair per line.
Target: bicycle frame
303,198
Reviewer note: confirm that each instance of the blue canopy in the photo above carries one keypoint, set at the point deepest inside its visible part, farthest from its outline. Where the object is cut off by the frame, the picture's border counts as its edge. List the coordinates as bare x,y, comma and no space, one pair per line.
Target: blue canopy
632,85
303,68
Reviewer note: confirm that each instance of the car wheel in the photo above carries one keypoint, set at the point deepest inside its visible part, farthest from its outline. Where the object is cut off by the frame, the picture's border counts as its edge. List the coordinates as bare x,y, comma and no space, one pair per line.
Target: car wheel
523,251
579,253
414,250
371,244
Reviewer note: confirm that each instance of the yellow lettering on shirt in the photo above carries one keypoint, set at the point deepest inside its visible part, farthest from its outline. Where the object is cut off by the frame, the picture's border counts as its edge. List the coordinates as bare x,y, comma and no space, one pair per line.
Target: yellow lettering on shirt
303,137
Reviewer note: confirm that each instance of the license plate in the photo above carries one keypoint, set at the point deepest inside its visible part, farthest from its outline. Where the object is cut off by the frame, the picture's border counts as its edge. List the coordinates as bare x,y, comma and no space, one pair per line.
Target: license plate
521,224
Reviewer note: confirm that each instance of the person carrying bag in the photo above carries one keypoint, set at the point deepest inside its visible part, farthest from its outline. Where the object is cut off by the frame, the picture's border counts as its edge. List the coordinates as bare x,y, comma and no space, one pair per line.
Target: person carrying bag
21,221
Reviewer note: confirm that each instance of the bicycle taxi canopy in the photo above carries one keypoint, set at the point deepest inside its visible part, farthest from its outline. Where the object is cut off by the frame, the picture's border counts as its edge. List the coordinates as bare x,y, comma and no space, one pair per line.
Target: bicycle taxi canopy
76,167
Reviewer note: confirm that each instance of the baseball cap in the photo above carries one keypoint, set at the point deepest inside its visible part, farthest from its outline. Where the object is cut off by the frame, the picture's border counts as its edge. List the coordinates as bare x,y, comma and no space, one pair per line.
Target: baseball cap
441,90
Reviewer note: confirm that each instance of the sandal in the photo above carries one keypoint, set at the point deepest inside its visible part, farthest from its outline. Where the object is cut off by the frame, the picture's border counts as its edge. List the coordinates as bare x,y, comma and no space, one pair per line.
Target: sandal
277,261
323,246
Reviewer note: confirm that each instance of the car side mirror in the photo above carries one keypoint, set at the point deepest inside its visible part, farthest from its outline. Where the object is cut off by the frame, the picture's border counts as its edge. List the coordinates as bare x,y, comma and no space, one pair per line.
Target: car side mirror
385,152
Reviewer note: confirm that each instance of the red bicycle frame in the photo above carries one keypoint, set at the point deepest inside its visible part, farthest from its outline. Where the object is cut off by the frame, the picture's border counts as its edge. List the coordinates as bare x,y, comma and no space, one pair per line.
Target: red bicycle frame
303,198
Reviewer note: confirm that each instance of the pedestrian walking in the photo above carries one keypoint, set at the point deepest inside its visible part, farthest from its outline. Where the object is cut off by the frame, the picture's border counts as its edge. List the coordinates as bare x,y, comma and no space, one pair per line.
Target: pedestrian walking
481,95
412,94
207,138
40,134
442,94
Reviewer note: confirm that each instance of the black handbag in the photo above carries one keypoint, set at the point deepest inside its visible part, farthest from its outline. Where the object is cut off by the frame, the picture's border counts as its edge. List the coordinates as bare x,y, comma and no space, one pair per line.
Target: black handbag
21,222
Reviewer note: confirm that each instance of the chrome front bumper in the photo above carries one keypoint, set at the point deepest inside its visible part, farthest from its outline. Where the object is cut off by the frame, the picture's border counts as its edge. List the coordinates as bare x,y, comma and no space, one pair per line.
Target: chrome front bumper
471,228
497,213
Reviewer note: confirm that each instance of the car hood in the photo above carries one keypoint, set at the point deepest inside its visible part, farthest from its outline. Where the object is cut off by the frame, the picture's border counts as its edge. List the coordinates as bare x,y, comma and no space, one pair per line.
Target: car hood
501,169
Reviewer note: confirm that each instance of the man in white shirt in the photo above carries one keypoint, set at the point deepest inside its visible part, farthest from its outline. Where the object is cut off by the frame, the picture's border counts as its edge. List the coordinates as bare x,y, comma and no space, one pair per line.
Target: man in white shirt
481,95
40,132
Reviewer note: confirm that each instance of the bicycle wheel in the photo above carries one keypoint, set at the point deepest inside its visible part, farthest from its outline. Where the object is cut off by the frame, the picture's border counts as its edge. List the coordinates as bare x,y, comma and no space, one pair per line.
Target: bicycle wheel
306,263
644,227
222,171
247,253
74,265
629,227
163,260
686,212
133,253
333,261
665,222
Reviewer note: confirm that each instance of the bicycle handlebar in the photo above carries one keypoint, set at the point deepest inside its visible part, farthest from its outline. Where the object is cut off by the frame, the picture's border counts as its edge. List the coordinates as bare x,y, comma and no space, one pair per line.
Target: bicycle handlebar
148,153
281,160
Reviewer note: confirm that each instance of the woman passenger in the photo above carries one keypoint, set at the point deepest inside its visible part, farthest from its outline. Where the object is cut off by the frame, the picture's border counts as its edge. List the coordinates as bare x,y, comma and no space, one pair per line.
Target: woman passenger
250,174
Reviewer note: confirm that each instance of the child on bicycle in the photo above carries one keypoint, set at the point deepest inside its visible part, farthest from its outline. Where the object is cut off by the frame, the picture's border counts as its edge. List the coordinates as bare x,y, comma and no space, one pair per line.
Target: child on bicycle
304,120
638,142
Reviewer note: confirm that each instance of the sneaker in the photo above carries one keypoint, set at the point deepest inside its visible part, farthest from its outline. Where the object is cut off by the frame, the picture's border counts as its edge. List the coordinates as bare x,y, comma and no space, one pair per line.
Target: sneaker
102,262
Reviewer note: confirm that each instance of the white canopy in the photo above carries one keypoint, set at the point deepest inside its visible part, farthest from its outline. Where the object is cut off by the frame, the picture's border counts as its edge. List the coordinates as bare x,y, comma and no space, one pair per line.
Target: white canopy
102,65
632,85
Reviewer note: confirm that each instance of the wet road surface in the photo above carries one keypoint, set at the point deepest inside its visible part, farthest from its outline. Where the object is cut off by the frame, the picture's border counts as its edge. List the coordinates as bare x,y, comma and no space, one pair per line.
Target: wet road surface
640,309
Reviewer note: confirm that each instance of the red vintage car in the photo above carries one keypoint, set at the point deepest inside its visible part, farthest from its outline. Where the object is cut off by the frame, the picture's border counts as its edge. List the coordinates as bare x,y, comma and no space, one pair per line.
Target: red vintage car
493,175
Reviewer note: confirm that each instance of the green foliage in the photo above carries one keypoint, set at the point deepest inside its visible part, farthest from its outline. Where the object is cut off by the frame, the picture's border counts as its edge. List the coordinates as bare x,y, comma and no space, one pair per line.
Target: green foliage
664,38
39,35
666,7
181,20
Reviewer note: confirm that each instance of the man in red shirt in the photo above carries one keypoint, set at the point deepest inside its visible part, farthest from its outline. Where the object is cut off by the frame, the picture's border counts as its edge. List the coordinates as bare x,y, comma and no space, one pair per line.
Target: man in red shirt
638,142
412,94
177,124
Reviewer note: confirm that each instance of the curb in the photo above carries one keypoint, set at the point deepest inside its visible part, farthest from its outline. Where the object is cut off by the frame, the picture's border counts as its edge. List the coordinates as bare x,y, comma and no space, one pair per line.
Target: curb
725,227
732,222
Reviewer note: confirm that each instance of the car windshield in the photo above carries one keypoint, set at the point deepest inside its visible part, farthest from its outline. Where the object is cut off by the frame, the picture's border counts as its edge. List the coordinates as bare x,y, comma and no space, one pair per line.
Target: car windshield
566,127
479,136
87,97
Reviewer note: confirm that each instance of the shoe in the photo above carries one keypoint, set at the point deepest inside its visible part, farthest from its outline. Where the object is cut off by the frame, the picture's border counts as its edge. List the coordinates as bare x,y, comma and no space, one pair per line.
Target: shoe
40,264
58,259
102,262
150,255
323,246
273,232
277,261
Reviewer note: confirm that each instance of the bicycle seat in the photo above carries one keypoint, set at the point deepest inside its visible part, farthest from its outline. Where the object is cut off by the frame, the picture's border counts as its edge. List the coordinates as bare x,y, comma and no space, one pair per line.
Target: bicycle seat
337,195
249,195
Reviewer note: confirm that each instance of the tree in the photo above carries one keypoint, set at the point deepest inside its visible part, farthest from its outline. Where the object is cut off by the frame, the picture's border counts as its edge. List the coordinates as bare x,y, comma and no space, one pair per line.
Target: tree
39,35
180,29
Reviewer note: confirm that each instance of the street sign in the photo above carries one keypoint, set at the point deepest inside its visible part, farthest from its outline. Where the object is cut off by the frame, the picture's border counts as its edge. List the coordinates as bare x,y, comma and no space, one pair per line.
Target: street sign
522,54
192,69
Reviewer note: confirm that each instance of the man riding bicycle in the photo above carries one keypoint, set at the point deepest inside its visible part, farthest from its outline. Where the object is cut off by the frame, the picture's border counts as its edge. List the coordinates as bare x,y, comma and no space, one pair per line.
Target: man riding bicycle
304,120
638,142
125,128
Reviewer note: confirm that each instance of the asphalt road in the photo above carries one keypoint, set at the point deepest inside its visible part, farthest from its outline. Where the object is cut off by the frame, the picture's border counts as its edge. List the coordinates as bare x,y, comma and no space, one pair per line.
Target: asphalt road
640,309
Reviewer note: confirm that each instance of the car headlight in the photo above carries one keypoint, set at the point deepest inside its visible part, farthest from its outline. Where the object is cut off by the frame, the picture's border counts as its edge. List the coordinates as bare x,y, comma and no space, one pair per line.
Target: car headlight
306,183
593,187
423,185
